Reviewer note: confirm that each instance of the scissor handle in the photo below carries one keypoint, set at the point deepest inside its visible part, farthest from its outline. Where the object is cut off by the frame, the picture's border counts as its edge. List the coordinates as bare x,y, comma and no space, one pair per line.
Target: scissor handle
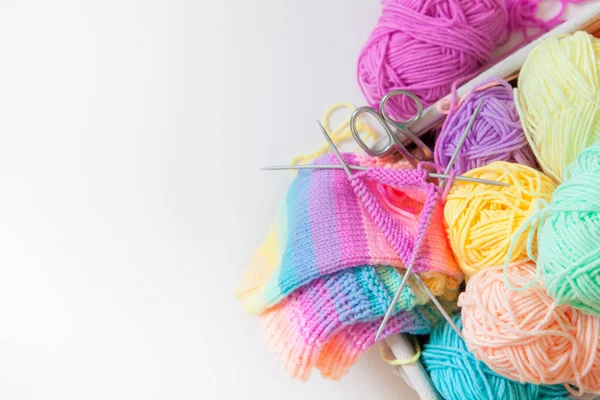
388,148
403,126
392,144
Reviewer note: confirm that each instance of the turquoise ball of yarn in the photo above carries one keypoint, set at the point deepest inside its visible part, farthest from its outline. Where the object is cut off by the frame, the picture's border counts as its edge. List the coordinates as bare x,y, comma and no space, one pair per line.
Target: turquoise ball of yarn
458,375
569,236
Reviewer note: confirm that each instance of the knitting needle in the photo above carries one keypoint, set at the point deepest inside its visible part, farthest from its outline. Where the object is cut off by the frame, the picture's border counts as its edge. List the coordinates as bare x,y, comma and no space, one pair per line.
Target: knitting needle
437,304
334,148
461,142
361,168
409,268
431,296
442,184
411,263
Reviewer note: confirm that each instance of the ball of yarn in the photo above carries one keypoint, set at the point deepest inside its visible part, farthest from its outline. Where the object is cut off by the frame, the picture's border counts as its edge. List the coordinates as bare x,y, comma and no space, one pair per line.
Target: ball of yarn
458,375
557,99
481,219
496,135
569,239
525,336
424,46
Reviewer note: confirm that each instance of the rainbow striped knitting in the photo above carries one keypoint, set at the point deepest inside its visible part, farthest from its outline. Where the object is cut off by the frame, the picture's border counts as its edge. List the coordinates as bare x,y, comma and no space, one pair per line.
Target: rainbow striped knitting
297,328
343,349
329,223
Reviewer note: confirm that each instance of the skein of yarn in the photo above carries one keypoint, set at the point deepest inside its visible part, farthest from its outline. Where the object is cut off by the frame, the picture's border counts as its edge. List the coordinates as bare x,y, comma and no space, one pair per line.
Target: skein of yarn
458,375
454,38
569,255
426,46
525,336
557,99
481,219
496,135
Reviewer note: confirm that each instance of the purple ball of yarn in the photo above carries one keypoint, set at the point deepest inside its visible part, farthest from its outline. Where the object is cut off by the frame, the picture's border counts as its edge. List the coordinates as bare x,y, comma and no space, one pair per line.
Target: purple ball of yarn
425,46
496,135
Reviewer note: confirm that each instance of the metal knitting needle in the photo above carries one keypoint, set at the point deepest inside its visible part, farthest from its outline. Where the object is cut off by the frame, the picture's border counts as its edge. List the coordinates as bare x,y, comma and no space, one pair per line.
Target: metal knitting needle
441,309
442,184
409,268
361,168
461,142
431,296
334,149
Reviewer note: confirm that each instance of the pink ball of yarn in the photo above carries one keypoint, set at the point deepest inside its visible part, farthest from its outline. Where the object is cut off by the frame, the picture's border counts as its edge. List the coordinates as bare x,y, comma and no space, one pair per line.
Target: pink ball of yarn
496,135
424,46
524,336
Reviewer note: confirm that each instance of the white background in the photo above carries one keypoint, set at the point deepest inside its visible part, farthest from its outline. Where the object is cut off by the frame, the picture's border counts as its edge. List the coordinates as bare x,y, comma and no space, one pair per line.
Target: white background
131,137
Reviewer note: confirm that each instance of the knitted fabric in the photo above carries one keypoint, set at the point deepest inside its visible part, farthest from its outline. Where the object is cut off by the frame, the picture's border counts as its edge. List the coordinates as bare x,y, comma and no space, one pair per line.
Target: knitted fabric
297,328
335,318
342,351
329,223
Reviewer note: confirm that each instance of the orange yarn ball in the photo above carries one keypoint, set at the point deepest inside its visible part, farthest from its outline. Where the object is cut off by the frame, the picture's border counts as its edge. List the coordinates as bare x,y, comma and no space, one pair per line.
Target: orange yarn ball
525,336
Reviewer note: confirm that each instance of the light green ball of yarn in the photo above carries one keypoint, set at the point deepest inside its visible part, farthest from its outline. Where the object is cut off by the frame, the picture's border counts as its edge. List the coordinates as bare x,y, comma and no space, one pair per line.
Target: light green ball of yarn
569,237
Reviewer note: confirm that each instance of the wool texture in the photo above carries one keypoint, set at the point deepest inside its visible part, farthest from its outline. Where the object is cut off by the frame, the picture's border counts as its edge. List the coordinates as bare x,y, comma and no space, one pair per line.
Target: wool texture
427,46
485,223
458,375
297,328
569,236
344,348
523,335
496,134
557,99
329,223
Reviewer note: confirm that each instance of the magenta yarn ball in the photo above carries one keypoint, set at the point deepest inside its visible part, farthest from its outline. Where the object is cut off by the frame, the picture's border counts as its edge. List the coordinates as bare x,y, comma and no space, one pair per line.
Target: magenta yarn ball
426,45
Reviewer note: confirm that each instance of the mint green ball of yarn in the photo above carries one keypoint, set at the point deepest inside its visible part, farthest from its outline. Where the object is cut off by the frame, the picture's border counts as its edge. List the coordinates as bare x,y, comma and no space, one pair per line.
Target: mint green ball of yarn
569,237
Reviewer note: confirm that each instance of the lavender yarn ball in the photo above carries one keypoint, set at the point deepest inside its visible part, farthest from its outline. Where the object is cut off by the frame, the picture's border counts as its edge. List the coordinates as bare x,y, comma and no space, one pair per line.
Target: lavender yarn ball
496,135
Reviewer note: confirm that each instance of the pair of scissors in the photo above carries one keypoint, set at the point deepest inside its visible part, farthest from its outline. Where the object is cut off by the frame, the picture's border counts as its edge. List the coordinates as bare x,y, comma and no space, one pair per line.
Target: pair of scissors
393,142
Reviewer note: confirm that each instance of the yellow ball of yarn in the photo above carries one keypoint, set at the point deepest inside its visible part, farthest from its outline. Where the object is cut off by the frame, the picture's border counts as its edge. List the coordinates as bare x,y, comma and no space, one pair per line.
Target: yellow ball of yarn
558,99
481,219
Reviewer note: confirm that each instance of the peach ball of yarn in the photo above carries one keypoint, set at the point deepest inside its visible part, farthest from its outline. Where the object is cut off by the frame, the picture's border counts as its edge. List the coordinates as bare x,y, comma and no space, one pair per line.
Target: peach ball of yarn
481,219
525,336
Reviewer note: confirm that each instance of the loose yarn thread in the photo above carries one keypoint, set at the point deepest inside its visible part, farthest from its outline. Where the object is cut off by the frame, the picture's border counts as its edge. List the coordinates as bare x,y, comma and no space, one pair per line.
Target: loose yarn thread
522,16
480,219
557,99
496,135
525,336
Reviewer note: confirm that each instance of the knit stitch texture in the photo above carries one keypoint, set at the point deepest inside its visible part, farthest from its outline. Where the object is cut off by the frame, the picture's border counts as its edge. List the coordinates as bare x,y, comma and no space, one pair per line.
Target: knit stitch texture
329,223
344,348
297,328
